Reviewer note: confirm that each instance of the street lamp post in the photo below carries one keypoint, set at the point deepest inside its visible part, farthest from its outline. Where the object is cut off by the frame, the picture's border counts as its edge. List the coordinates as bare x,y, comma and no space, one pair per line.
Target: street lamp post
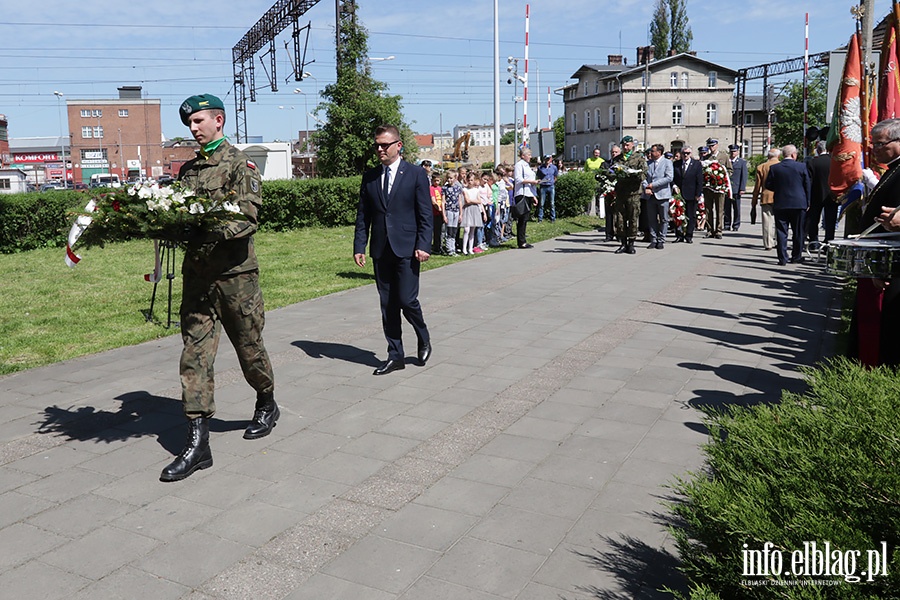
62,143
291,120
305,112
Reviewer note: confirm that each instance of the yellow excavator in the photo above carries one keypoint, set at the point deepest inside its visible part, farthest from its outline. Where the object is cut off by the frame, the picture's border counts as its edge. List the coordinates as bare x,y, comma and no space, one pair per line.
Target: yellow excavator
460,152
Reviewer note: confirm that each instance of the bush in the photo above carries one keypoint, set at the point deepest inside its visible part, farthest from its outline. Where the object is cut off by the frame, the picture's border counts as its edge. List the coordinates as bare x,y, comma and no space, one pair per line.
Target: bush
37,220
819,467
29,221
574,192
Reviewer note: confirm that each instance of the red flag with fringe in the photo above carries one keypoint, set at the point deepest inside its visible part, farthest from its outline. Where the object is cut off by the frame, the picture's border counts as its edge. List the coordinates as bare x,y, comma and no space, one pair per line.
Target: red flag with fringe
845,135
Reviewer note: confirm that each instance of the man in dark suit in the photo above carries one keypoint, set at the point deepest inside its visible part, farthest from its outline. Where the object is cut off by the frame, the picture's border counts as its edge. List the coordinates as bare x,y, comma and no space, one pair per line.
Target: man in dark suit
689,181
789,180
738,185
821,200
395,206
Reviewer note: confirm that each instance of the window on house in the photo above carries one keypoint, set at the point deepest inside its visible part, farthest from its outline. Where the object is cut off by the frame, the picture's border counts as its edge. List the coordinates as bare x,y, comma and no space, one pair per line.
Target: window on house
123,112
712,114
96,113
572,153
4,184
585,88
85,112
645,79
597,122
574,123
684,80
748,119
612,116
673,79
712,77
587,120
587,152
87,132
641,114
597,86
98,131
677,114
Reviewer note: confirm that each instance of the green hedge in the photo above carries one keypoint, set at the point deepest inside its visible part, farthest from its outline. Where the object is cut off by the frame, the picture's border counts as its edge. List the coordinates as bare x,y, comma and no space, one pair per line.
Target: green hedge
37,220
574,192
823,466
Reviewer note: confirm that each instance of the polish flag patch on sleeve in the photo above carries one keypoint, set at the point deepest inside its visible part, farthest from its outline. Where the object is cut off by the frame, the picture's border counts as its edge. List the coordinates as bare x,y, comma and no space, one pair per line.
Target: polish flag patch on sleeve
251,164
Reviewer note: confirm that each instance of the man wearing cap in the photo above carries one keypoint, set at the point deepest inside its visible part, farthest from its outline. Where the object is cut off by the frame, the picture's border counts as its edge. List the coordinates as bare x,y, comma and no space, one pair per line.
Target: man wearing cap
714,198
221,287
547,174
732,219
630,169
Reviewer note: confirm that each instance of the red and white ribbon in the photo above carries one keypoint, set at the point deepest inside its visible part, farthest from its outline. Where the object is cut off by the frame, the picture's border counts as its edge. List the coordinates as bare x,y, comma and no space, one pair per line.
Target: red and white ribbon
78,227
156,275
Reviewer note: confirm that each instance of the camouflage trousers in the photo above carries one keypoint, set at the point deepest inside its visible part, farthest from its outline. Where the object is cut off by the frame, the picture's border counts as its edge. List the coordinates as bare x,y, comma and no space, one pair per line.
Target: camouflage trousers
235,303
628,211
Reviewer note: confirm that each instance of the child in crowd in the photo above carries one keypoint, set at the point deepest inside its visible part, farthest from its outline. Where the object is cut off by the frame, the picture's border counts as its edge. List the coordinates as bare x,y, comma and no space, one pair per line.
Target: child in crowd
498,191
451,212
484,195
473,213
437,212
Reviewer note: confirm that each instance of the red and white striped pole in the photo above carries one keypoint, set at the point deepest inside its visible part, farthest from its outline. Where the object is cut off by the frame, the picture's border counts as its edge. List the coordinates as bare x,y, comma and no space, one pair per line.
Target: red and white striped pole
805,84
525,84
549,117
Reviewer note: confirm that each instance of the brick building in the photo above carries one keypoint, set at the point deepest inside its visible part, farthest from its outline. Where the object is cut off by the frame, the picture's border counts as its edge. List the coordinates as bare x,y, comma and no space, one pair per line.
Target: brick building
121,136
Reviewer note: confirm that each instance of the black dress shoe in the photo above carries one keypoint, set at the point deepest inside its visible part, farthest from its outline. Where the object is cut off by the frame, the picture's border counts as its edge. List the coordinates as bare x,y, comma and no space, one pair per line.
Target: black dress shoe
523,246
651,246
689,241
390,365
781,263
660,245
264,418
621,248
424,352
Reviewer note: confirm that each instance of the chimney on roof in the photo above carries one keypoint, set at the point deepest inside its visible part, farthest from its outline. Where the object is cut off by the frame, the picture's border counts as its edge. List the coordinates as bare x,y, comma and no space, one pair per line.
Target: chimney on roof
129,92
614,59
644,54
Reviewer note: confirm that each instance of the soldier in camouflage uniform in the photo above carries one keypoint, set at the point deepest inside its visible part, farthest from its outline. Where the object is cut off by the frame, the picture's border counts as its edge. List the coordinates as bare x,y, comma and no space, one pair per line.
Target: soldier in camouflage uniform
630,168
221,287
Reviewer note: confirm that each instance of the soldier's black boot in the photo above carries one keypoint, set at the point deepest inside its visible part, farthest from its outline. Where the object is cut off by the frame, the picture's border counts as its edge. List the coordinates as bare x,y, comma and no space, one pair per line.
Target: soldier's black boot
196,455
629,247
264,417
623,247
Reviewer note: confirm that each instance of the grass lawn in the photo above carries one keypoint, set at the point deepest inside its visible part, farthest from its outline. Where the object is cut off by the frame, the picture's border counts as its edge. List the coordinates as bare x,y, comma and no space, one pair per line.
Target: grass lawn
53,313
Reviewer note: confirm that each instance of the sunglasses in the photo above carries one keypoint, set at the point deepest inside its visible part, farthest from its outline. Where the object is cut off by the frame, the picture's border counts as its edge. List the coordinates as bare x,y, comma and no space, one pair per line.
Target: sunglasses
385,146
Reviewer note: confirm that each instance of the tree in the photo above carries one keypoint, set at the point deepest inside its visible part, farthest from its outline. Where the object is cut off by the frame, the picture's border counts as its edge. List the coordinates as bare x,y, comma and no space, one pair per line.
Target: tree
680,31
788,125
559,134
355,105
659,29
508,138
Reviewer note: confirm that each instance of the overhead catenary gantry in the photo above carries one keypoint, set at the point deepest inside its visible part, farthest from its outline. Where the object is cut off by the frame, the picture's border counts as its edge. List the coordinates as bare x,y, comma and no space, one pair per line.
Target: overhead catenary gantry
282,14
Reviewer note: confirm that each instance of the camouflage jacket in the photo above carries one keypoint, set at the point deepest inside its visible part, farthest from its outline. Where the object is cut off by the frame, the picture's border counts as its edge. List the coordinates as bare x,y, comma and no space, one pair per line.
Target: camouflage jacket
228,174
628,182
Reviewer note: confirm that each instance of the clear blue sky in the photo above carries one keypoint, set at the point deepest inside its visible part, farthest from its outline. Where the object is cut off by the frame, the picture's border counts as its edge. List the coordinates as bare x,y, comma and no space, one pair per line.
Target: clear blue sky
444,52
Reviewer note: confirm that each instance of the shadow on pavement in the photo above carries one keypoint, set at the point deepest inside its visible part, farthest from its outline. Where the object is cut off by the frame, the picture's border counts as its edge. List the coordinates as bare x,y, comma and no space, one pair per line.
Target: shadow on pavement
141,414
338,351
641,570
356,275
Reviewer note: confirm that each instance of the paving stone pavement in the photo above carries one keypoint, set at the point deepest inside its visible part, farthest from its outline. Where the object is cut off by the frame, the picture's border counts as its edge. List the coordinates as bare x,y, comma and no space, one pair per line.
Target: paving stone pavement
528,460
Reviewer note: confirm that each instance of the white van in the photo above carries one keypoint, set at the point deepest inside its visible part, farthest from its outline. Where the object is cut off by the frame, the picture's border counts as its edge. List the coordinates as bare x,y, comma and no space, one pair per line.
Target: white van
105,180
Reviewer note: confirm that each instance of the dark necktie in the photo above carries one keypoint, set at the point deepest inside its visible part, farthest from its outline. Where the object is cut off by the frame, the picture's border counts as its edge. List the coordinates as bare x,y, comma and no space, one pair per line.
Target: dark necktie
387,182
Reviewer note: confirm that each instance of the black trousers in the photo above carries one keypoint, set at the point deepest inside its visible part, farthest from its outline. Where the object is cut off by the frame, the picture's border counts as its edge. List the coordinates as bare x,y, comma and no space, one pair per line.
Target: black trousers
789,218
522,222
690,211
397,282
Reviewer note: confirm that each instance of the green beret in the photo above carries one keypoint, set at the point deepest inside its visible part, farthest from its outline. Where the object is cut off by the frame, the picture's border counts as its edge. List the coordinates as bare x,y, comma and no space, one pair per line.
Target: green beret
627,139
198,103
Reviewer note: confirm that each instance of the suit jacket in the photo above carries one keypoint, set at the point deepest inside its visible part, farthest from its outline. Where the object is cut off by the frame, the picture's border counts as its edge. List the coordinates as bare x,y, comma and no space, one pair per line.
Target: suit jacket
402,221
660,174
738,176
819,167
760,192
690,182
789,180
886,193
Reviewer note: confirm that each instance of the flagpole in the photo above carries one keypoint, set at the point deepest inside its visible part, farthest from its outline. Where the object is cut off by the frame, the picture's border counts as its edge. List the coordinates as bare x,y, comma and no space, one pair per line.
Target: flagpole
805,84
864,100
